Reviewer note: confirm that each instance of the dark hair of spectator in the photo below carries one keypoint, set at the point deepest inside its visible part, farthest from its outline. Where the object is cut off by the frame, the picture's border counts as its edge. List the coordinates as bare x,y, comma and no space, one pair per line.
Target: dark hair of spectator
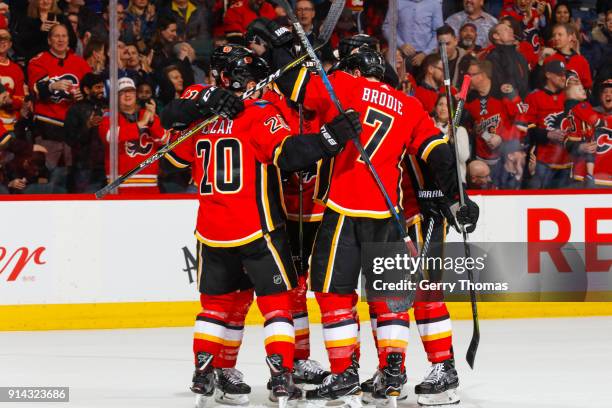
93,45
441,95
90,79
171,68
163,22
486,67
553,19
444,30
33,9
428,61
515,25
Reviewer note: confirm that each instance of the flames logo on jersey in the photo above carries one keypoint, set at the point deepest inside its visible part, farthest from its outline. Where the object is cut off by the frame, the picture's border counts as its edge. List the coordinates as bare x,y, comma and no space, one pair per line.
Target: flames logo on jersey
604,140
141,147
61,96
489,124
559,120
533,38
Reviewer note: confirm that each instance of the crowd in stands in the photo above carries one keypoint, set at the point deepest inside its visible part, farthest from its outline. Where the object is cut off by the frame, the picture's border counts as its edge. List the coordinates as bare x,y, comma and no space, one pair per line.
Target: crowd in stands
538,114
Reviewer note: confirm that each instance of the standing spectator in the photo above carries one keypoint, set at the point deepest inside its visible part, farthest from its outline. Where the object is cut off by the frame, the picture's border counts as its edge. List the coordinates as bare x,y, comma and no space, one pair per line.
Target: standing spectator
441,117
548,127
562,40
240,14
140,20
11,79
524,47
529,19
431,82
193,22
458,58
140,133
509,65
95,55
473,13
492,113
467,38
81,124
561,14
305,12
55,77
163,40
417,22
42,16
172,84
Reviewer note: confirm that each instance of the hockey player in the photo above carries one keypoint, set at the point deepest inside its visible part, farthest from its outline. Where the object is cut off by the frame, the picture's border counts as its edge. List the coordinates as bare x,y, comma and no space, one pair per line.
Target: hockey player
234,162
356,211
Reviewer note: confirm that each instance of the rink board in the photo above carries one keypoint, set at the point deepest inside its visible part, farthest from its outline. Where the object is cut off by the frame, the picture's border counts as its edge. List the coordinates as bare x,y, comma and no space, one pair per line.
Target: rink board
74,262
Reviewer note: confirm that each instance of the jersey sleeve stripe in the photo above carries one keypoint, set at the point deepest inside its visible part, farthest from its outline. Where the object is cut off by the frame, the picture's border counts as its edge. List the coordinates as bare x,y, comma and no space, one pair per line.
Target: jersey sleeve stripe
278,151
176,161
299,83
437,140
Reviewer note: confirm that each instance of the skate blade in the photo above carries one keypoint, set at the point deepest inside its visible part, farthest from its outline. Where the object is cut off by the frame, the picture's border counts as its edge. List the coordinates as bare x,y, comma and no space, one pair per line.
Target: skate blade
389,402
350,401
231,399
285,402
201,400
448,398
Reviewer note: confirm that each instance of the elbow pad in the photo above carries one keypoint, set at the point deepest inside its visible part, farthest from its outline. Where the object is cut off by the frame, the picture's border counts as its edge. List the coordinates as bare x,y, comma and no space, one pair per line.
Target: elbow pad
300,151
180,113
442,164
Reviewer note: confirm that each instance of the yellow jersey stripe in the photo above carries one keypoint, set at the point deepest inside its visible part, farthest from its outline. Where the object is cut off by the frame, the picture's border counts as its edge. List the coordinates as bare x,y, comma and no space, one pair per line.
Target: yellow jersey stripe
332,254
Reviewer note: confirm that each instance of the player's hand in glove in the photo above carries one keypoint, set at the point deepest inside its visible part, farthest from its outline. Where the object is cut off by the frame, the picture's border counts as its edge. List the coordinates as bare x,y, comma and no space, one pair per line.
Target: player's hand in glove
341,129
268,31
466,216
220,101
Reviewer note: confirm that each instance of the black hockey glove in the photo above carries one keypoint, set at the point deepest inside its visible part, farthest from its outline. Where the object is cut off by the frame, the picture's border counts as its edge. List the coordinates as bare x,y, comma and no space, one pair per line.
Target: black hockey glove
466,216
341,129
220,101
268,31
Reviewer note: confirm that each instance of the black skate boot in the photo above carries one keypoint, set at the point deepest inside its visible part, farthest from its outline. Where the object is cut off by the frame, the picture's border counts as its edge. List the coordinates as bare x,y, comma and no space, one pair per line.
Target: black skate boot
389,383
203,379
308,372
230,388
367,388
440,385
282,388
343,386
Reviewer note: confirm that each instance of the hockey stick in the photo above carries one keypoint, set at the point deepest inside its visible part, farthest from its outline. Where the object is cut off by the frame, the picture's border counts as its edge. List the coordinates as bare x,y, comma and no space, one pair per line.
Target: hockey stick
329,24
453,122
197,128
301,198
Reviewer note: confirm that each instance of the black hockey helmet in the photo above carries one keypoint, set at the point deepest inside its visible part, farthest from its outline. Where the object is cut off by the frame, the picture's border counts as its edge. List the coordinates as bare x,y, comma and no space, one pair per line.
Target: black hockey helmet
348,44
367,60
239,65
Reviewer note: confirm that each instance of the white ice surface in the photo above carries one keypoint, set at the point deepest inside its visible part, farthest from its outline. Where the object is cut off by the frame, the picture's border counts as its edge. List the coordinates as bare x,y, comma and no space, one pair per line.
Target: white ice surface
556,363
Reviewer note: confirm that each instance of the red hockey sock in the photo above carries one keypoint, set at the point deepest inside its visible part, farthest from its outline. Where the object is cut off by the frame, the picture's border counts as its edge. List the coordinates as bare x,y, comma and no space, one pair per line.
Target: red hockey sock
392,331
340,330
278,326
209,332
299,311
434,324
234,330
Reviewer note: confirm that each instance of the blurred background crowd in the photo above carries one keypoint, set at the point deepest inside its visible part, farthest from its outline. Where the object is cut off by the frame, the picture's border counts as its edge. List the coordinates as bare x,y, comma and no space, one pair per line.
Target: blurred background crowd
537,116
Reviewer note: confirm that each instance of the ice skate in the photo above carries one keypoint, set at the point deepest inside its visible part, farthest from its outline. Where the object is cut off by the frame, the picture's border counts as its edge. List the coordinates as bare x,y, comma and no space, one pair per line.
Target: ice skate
388,385
282,388
439,388
230,388
344,387
367,388
308,372
203,379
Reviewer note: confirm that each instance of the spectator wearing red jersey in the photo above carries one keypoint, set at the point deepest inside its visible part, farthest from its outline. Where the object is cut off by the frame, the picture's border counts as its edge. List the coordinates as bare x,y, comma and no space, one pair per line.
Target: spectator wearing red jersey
529,19
574,62
240,14
55,77
140,133
561,14
11,78
431,82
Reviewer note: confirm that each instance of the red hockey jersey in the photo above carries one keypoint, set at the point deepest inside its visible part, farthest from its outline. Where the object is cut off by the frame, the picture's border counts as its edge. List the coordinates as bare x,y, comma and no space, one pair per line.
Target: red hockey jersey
428,95
239,187
545,111
47,67
492,114
134,146
240,14
577,64
394,124
11,76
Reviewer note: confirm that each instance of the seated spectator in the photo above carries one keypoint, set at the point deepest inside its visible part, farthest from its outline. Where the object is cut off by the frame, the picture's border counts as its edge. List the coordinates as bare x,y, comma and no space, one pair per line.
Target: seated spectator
561,14
479,176
473,13
193,22
467,38
144,93
34,29
27,174
81,124
430,84
11,84
140,134
193,65
441,116
240,14
416,28
562,40
136,65
458,58
140,20
509,65
55,78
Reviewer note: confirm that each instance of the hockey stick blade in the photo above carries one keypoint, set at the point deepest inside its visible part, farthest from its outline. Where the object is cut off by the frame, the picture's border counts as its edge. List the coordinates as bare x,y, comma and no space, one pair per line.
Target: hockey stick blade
328,26
192,131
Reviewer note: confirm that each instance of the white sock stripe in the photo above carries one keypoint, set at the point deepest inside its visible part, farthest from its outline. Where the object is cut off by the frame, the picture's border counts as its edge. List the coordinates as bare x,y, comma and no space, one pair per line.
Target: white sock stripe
393,332
279,329
233,335
428,329
340,333
209,328
301,323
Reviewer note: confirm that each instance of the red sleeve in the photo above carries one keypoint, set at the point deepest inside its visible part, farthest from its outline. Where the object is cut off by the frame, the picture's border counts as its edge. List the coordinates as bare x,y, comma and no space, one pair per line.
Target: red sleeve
268,134
317,98
585,73
18,91
425,135
232,21
5,135
530,117
585,112
36,72
157,132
